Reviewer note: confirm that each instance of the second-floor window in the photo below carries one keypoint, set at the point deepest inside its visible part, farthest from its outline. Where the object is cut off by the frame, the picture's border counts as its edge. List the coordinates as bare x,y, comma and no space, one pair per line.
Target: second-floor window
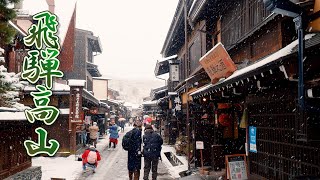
243,18
195,53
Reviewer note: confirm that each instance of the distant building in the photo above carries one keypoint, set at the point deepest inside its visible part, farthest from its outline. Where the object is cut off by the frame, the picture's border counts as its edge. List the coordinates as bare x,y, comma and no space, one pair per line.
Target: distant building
86,47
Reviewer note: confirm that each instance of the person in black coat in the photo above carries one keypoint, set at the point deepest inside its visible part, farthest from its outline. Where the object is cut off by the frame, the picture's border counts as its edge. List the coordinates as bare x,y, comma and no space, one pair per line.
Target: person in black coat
151,152
134,152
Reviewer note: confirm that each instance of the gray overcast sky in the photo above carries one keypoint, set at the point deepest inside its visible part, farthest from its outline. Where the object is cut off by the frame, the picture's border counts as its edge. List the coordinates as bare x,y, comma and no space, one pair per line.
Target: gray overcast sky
132,33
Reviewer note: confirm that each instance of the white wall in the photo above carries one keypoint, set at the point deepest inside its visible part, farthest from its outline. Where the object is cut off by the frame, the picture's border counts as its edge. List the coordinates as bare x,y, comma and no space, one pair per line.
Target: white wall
100,88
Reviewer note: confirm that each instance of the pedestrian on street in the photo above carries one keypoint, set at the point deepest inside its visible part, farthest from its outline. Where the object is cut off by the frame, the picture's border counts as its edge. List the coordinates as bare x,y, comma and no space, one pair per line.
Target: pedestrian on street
83,135
151,152
94,129
134,151
114,134
90,157
122,124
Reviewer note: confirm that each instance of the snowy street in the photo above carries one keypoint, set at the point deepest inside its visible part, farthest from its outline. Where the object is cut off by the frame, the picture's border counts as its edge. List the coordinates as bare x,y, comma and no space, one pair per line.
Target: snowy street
112,166
114,163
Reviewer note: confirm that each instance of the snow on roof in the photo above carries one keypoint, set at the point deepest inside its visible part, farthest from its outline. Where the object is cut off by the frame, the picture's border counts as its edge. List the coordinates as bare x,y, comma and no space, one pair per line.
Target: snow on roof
168,58
101,78
63,9
275,56
56,87
76,82
17,28
150,102
12,116
64,111
161,91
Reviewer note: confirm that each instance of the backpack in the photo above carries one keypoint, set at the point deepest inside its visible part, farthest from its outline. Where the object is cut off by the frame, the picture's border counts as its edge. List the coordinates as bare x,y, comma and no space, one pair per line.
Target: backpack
92,157
127,140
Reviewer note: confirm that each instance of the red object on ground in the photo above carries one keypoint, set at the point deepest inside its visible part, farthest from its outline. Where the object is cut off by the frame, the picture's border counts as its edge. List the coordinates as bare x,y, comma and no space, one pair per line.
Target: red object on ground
113,140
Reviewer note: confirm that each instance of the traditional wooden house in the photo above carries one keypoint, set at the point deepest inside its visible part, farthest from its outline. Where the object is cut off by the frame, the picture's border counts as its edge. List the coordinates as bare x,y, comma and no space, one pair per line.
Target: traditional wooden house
14,127
264,88
263,47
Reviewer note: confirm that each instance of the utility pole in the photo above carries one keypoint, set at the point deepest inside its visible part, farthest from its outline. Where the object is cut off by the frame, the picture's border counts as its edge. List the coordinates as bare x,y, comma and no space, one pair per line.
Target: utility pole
186,73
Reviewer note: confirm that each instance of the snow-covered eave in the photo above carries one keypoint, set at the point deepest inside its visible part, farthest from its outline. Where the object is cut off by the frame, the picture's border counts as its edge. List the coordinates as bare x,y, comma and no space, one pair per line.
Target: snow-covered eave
196,8
266,61
150,103
17,28
12,116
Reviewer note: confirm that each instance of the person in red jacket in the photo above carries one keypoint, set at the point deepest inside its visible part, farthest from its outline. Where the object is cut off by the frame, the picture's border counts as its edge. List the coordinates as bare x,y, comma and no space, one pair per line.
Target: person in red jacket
90,157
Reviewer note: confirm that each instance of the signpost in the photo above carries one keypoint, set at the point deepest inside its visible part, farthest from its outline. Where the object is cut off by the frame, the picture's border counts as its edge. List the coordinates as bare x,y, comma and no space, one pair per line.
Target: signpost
76,115
200,145
217,63
253,139
236,166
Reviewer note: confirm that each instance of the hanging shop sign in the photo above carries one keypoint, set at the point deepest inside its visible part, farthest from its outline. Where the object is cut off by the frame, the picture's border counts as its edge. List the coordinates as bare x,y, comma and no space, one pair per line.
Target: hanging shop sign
176,105
174,72
199,145
76,114
236,166
253,139
217,63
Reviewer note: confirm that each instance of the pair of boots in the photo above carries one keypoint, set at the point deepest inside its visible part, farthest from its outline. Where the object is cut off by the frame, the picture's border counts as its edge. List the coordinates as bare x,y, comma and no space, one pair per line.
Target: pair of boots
114,145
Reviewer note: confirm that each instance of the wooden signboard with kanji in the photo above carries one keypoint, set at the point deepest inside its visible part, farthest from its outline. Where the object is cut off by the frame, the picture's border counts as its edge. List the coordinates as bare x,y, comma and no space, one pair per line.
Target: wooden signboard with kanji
217,63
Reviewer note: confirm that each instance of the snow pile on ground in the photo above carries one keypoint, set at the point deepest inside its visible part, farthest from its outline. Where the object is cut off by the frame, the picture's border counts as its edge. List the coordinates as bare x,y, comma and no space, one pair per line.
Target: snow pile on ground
58,167
64,167
173,170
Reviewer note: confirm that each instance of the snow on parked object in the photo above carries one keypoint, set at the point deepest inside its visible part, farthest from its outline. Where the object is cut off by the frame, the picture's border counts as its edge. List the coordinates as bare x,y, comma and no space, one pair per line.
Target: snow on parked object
173,170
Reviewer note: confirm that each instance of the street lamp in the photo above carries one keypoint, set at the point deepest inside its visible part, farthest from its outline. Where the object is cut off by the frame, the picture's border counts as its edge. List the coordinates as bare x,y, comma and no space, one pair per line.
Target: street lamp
288,8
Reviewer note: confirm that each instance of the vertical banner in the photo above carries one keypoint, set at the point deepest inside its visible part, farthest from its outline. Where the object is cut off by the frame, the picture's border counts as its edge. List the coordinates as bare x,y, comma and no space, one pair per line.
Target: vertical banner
253,139
176,105
76,114
174,72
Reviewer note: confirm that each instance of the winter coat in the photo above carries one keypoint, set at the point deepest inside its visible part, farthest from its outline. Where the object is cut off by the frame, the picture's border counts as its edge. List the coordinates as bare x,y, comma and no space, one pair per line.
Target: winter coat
86,153
134,158
93,132
152,144
114,132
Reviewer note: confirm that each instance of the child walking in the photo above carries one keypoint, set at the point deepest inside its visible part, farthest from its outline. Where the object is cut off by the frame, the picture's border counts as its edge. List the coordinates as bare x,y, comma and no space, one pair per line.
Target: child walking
114,134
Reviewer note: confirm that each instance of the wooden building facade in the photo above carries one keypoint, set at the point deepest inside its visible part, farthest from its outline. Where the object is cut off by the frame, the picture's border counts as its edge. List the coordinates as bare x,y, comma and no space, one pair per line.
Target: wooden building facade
263,46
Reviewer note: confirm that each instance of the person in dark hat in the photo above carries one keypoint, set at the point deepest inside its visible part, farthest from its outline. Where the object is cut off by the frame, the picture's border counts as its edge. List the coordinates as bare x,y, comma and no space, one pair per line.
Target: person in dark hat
151,152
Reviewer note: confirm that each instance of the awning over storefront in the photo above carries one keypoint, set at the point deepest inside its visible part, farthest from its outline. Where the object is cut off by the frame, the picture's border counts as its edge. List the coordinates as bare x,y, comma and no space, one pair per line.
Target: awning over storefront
162,66
265,64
